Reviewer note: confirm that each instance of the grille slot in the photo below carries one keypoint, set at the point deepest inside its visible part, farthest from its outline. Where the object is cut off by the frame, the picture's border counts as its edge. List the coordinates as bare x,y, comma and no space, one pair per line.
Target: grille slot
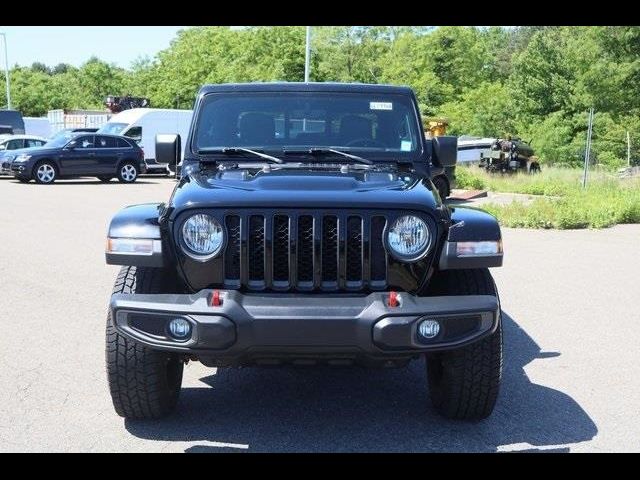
354,252
378,256
256,251
281,251
232,255
330,252
305,251
308,251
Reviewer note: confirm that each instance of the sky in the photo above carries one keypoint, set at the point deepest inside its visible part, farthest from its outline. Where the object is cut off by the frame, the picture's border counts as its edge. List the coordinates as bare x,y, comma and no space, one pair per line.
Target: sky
75,45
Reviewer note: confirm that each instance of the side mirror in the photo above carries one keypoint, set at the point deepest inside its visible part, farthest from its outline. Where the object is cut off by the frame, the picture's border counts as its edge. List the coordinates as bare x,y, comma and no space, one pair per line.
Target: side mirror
445,151
168,150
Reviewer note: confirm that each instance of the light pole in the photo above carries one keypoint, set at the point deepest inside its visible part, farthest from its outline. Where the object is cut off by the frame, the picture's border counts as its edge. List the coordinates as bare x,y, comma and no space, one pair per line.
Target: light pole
6,70
307,55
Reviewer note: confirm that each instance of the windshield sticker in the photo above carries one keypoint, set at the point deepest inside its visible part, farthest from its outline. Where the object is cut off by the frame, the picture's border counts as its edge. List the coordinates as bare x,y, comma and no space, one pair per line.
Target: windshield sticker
380,106
405,146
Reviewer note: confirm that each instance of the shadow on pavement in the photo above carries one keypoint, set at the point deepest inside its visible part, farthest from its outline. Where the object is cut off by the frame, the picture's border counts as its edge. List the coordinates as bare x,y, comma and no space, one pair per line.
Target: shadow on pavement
355,409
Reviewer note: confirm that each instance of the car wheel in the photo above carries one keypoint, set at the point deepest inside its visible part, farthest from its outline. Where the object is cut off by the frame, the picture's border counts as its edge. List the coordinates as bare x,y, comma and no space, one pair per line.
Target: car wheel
127,173
105,179
45,173
144,383
464,382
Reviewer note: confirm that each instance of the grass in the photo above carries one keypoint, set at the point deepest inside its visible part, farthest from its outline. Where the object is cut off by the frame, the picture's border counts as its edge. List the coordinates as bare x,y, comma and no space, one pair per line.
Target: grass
606,201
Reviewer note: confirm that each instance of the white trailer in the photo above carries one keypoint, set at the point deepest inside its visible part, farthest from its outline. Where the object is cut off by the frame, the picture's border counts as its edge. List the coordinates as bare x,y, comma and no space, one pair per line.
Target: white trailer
471,148
143,124
38,126
61,119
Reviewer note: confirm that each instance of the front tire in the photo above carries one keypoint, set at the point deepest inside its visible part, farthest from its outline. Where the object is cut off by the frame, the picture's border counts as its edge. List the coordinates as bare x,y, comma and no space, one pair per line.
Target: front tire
45,173
144,383
464,383
127,172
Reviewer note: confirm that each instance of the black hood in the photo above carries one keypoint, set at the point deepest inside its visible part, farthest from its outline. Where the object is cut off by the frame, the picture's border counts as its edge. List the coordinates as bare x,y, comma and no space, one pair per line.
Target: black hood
307,188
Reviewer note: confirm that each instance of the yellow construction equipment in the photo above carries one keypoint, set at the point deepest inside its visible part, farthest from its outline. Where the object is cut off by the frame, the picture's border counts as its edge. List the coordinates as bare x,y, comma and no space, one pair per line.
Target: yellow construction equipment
436,127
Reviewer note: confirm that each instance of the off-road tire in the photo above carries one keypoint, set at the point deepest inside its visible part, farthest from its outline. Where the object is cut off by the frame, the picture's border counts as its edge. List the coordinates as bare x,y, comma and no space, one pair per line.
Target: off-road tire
533,168
464,383
144,383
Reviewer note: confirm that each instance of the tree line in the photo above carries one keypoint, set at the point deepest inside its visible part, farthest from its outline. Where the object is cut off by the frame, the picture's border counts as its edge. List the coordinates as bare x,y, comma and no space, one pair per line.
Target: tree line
537,83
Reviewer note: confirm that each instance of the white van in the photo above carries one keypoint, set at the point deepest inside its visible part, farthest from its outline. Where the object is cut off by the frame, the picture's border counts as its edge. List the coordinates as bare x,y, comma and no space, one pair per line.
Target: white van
143,124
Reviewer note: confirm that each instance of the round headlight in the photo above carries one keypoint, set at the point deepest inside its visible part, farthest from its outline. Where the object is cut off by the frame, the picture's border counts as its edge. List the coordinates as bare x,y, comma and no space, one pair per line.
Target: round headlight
409,238
202,236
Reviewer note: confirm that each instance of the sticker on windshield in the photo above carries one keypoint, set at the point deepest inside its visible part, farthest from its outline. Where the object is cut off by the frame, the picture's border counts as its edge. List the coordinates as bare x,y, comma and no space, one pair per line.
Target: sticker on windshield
380,106
405,146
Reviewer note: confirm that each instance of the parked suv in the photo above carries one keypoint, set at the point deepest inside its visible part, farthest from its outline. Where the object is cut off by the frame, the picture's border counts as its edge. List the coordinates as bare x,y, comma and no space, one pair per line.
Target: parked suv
80,155
305,230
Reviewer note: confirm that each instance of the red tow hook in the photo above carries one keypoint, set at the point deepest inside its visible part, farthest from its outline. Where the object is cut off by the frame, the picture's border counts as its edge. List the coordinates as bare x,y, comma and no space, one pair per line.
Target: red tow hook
215,299
393,299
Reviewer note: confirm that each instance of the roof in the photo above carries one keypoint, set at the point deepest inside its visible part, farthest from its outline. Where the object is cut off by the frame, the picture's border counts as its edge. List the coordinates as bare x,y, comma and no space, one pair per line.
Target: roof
134,114
305,87
20,137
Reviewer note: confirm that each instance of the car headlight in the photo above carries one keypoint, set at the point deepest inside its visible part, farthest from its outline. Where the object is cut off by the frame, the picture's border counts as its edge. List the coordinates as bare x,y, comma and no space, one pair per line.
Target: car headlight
409,238
22,158
202,236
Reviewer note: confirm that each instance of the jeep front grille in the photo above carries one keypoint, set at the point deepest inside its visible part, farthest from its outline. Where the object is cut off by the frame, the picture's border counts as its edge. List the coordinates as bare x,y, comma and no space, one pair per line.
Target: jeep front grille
305,251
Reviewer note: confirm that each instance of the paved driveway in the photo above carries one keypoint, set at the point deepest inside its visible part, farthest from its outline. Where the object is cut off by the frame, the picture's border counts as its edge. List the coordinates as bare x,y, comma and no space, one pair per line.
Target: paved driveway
572,367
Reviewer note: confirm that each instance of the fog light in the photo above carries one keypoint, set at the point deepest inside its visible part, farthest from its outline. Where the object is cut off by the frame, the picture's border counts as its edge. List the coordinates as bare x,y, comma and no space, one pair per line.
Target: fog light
429,328
179,328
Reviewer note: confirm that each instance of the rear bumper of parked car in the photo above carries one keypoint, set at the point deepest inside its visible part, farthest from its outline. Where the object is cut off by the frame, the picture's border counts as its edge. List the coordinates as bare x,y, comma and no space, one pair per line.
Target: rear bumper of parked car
271,329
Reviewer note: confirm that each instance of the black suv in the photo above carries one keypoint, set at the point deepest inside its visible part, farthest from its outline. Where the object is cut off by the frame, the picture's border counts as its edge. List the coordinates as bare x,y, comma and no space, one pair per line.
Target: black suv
305,230
80,155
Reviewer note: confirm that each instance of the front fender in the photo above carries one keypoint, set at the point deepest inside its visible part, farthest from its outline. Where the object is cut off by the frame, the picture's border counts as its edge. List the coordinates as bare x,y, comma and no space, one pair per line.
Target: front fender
478,230
134,237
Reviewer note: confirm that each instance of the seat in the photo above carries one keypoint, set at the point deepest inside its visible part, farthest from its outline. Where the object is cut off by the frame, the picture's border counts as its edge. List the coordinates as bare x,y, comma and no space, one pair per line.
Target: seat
257,129
218,130
354,127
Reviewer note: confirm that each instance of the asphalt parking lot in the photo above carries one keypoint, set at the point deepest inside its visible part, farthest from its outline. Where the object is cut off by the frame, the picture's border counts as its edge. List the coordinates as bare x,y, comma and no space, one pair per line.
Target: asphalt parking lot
571,307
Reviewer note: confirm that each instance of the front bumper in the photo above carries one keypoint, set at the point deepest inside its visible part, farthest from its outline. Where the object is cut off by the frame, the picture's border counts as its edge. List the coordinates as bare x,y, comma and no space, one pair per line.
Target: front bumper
19,169
262,328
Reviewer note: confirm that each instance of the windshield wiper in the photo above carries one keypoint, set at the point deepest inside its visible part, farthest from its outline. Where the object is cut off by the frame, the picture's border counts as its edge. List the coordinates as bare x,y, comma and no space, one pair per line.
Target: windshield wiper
231,150
328,151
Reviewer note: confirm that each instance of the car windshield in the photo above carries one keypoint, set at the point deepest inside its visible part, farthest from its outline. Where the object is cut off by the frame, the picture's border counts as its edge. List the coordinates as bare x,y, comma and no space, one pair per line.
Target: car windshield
112,128
382,125
60,140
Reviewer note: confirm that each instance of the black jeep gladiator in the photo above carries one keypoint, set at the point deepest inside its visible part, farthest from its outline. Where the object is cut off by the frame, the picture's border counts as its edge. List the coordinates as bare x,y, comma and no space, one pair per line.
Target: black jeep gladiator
304,230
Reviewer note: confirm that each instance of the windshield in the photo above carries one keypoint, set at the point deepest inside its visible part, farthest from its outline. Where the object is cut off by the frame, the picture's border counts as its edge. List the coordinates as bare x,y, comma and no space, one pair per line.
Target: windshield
112,128
60,140
378,124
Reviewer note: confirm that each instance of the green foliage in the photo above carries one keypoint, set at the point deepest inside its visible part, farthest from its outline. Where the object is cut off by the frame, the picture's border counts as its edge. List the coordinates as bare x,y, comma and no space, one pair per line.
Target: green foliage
535,82
606,201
